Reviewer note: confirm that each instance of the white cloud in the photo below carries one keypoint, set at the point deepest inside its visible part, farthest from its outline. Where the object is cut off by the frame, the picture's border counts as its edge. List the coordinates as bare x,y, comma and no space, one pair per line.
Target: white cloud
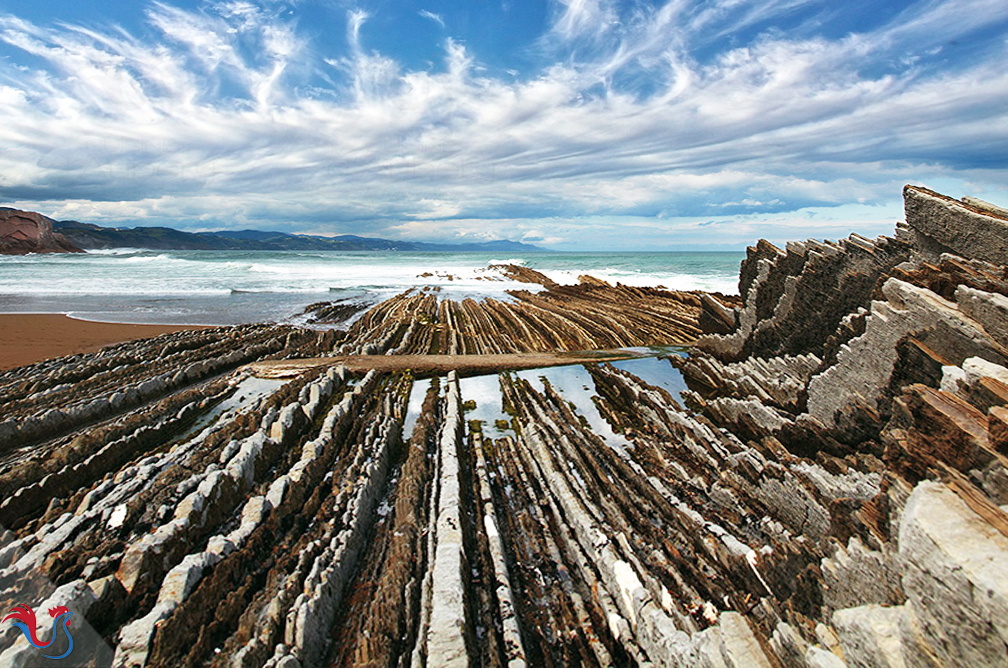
436,18
434,209
584,18
220,119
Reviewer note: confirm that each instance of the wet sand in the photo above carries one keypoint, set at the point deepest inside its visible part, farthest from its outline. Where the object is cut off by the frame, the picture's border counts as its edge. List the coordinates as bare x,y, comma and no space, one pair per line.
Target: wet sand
28,338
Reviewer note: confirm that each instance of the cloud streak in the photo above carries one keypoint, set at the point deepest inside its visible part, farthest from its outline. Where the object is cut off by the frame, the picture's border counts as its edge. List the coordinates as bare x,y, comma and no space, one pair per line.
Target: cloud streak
650,120
436,18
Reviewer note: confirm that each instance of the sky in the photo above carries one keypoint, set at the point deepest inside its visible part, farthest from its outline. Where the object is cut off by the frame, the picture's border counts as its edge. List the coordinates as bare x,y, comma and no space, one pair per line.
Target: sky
570,124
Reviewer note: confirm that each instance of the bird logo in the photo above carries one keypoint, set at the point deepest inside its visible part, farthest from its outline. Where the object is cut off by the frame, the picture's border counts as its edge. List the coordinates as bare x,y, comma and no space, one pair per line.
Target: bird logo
23,617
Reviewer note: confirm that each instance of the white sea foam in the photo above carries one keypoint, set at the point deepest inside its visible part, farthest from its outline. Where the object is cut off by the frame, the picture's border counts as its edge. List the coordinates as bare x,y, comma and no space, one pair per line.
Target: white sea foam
241,286
638,279
163,259
115,251
514,260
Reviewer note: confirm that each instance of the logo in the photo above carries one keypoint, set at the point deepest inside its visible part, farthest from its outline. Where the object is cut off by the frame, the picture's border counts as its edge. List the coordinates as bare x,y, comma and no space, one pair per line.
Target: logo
23,617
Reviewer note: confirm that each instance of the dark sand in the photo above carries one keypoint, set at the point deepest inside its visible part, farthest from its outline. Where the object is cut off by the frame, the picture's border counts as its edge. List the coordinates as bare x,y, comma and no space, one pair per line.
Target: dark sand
25,339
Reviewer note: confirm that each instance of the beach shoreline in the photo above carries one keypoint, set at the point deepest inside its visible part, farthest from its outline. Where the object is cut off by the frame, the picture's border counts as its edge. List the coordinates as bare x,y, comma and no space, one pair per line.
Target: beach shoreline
26,338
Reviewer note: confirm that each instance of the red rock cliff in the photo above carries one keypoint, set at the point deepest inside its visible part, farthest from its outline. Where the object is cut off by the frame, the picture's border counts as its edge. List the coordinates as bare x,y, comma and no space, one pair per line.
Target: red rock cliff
23,232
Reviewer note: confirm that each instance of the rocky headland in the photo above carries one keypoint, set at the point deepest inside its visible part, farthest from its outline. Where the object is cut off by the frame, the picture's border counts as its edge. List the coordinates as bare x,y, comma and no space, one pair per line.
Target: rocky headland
23,232
830,488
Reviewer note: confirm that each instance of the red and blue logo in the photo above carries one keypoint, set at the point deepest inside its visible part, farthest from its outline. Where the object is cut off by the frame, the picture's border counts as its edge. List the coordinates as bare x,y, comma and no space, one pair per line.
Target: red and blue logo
23,617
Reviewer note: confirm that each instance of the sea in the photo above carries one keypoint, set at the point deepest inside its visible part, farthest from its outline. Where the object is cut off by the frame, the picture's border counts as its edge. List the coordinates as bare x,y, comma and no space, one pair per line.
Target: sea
235,287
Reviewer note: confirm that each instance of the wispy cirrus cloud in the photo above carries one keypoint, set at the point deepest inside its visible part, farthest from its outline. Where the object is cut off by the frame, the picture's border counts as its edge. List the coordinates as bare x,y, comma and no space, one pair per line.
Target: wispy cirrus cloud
436,18
688,123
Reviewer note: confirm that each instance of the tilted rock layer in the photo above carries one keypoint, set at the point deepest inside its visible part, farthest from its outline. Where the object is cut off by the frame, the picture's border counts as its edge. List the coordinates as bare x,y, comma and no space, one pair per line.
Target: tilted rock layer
591,315
830,489
903,408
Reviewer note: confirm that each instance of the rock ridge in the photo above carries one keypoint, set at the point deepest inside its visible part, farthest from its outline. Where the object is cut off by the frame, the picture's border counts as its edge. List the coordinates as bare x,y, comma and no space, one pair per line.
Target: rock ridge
896,390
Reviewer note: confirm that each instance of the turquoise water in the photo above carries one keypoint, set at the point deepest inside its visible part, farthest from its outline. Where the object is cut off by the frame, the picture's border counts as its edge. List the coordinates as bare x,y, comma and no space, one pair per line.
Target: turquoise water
228,287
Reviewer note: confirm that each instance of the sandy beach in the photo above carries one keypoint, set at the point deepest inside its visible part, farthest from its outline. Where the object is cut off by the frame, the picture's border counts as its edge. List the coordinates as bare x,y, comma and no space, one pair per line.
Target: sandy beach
28,338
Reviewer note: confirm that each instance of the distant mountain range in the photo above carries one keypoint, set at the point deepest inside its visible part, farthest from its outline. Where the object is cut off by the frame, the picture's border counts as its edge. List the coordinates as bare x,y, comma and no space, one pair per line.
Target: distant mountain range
90,236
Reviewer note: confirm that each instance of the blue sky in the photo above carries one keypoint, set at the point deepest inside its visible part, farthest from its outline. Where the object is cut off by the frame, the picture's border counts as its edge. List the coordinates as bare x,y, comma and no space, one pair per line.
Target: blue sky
581,124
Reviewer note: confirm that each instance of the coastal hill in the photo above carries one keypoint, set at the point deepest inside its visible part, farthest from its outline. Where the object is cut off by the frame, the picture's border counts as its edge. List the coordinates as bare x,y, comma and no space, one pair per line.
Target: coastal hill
90,236
824,485
23,232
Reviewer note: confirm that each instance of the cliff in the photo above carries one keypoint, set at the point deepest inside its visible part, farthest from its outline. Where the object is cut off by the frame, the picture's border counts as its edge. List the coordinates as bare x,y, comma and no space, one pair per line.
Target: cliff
23,232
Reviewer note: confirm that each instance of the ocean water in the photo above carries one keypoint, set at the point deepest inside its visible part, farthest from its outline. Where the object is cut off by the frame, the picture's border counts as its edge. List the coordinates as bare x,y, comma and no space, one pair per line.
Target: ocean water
231,287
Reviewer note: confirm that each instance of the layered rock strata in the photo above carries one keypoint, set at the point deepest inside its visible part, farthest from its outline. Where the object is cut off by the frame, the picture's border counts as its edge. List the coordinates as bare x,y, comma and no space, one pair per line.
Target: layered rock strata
901,406
23,232
588,316
970,227
829,490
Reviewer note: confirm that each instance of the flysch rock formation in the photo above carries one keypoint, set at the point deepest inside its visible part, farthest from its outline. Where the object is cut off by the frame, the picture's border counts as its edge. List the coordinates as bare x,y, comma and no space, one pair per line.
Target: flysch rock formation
894,410
588,316
23,232
829,490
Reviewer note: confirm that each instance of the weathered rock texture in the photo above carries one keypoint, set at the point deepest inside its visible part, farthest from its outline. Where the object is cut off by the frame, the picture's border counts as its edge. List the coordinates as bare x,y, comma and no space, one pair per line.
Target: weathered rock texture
588,316
970,228
829,491
887,399
23,232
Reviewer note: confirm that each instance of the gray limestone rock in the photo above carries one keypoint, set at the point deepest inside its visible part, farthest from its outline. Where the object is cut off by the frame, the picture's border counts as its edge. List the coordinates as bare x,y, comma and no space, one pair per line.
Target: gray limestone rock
817,657
856,576
789,646
739,647
870,636
986,207
955,577
964,229
446,634
865,365
988,308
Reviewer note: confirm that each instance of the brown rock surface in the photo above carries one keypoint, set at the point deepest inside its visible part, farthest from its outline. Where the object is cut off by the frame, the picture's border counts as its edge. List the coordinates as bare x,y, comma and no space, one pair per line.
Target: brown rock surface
591,315
23,232
997,429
